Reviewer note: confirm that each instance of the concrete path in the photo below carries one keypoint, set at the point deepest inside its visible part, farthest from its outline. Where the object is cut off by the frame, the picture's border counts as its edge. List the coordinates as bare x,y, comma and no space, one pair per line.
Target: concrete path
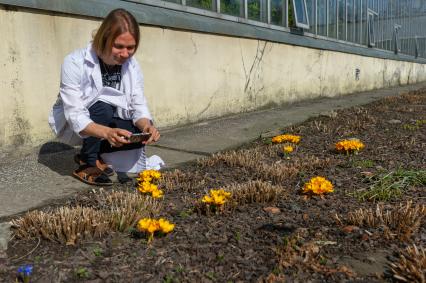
30,178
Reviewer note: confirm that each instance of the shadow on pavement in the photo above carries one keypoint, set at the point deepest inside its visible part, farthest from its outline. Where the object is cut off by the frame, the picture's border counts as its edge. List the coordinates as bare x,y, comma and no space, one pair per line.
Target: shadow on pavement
58,157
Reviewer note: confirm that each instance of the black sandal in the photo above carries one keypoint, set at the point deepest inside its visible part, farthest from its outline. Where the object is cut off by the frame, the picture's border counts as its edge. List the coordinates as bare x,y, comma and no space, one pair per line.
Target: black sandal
92,175
99,163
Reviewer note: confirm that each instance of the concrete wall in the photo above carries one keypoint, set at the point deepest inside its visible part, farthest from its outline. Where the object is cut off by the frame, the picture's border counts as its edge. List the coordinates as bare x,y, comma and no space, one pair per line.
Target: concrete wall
188,76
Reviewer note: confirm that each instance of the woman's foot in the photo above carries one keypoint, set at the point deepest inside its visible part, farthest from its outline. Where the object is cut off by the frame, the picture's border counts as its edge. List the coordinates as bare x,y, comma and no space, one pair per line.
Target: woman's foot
99,163
92,175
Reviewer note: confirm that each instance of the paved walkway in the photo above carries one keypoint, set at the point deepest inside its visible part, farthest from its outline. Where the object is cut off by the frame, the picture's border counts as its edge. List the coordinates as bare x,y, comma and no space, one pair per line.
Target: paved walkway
30,178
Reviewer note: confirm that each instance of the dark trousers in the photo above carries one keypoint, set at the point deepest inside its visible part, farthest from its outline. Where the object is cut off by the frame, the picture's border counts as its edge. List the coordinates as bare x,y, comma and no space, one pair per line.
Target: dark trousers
103,113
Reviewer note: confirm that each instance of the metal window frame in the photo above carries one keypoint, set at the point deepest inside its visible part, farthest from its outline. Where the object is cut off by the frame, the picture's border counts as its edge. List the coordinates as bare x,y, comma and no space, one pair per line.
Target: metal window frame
396,45
416,47
305,12
371,29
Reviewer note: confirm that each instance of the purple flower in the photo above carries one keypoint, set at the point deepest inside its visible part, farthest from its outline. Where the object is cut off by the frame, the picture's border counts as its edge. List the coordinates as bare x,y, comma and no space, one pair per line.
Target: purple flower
25,270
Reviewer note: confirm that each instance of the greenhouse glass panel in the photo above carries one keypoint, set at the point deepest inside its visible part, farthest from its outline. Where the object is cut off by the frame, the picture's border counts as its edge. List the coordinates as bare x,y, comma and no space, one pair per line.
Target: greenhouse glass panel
254,9
277,16
310,4
332,20
351,21
322,17
231,7
203,4
341,20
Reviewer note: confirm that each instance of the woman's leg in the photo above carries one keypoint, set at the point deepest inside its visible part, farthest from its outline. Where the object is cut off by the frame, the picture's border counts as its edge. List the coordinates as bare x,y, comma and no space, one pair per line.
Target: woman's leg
101,113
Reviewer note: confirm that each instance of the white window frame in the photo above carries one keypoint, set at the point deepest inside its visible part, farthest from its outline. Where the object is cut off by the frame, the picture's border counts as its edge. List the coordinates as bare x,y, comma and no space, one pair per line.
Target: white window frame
371,31
305,12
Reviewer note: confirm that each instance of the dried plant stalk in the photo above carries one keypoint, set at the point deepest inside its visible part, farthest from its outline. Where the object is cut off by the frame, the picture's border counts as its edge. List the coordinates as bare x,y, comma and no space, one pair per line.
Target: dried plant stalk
65,225
254,192
411,266
306,256
118,211
177,179
403,220
125,209
278,172
245,193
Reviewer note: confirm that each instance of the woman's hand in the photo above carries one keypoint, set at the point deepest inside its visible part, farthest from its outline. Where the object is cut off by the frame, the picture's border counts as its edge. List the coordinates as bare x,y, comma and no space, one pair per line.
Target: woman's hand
155,134
117,137
145,125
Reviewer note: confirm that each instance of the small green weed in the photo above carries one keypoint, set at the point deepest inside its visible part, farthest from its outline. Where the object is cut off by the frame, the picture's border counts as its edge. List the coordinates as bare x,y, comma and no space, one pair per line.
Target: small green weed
211,275
37,259
414,127
276,270
97,251
169,279
185,213
410,127
266,141
220,257
385,187
237,236
364,163
322,260
82,273
179,269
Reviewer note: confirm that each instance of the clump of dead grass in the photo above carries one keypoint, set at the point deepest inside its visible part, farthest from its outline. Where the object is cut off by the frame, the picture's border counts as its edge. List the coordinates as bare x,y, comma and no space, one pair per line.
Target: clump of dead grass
414,97
401,221
254,192
233,158
245,193
117,211
177,179
306,256
254,161
411,266
124,209
64,225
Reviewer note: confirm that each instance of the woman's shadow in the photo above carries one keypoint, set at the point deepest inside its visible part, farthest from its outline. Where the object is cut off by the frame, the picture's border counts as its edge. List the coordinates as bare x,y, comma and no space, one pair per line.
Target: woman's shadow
58,157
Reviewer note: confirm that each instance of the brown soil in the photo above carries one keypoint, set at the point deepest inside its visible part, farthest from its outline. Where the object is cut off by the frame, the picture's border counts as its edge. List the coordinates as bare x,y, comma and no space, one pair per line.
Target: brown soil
294,238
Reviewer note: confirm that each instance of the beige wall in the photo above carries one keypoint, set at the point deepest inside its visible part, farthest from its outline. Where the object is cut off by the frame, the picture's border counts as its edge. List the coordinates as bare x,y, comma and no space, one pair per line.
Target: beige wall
188,76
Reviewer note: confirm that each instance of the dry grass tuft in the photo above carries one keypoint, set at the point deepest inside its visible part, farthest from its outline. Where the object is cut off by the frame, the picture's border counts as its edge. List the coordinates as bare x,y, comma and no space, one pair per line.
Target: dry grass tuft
414,97
124,209
401,221
65,225
411,266
254,192
242,194
233,158
118,211
307,256
253,161
177,179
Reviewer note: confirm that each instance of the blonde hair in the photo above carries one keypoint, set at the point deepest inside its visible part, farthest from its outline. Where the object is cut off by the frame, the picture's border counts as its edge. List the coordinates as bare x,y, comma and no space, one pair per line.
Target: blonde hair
117,22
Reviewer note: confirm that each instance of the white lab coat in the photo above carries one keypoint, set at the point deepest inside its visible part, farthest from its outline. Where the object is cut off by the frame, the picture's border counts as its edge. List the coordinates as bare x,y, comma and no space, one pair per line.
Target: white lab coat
81,86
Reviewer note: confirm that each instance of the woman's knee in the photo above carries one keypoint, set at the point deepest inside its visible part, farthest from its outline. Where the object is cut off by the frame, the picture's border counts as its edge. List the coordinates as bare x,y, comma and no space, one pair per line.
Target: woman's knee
101,113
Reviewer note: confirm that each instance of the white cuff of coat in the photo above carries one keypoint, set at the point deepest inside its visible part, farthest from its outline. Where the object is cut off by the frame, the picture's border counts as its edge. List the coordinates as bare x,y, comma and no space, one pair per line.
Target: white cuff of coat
80,124
138,116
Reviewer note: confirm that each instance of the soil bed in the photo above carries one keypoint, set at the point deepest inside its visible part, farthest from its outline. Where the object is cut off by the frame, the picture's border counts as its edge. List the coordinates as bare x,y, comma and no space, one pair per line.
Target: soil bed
294,238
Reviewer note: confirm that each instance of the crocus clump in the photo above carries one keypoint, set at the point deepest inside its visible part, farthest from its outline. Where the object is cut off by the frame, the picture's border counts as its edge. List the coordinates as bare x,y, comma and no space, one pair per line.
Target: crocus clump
216,197
349,146
286,138
150,226
146,183
318,186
